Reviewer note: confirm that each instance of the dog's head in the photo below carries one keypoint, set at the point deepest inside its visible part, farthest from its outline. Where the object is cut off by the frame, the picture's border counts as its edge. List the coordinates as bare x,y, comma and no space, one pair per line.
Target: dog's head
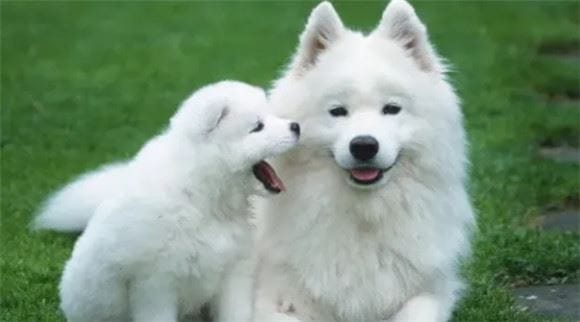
371,103
228,121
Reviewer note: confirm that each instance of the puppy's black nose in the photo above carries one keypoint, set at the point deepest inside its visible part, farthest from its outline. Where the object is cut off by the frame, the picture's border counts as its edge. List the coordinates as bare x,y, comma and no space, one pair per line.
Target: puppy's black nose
364,147
295,127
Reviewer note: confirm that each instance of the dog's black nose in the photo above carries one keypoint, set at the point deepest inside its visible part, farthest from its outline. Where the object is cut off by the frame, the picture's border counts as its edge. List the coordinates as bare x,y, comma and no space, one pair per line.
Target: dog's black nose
364,147
295,127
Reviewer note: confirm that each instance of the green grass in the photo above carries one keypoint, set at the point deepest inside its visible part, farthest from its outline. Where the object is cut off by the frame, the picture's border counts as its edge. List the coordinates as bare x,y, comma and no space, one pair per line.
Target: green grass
87,83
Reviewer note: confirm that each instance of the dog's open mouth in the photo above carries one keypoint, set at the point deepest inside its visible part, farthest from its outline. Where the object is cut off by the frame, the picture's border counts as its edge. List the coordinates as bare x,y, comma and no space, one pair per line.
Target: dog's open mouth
268,177
366,176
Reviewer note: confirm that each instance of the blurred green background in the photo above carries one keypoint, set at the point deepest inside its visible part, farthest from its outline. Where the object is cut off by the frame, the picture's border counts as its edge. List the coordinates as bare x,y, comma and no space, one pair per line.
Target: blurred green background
84,83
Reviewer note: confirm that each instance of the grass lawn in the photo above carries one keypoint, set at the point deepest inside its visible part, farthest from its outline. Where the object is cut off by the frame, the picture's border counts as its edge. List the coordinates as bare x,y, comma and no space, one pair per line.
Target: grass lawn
84,83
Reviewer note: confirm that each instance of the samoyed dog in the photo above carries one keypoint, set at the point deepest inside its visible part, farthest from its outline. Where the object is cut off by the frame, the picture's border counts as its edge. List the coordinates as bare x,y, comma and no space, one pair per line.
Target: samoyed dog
376,216
162,246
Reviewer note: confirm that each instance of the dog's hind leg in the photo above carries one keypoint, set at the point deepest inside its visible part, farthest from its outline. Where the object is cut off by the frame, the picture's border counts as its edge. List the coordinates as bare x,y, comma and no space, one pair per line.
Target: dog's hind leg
153,300
91,293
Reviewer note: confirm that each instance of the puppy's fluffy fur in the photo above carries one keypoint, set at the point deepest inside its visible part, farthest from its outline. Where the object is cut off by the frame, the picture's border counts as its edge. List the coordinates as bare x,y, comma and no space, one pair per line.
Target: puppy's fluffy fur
162,241
377,239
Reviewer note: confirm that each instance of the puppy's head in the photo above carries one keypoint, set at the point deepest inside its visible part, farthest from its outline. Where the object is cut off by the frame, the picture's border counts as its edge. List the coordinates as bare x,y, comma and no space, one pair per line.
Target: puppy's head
229,120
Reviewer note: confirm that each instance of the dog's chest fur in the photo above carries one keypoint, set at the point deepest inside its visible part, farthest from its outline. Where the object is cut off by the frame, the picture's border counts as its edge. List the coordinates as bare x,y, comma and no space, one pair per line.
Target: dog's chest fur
357,276
355,268
353,273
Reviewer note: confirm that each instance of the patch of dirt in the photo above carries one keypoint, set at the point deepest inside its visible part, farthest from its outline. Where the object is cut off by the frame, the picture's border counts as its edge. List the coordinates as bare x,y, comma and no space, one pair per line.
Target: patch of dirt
562,95
567,220
562,154
561,146
553,301
572,201
563,216
563,136
565,50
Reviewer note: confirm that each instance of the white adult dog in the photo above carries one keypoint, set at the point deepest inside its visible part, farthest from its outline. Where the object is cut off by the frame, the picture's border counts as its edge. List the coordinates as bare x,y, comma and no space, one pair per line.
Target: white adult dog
376,217
161,247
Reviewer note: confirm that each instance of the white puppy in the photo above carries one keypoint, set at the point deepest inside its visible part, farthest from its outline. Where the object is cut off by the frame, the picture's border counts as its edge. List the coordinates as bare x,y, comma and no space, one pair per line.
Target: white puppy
376,217
159,248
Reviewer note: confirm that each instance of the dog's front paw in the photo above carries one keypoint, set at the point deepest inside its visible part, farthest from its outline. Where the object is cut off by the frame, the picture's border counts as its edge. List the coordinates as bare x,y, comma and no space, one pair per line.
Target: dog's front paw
286,307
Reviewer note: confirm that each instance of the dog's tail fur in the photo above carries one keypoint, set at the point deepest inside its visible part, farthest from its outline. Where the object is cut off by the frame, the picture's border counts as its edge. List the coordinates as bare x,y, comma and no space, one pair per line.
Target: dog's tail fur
71,208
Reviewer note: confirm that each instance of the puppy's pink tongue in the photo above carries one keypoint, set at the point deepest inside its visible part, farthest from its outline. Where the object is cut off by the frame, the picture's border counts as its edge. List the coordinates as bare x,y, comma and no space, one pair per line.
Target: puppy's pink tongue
268,177
365,174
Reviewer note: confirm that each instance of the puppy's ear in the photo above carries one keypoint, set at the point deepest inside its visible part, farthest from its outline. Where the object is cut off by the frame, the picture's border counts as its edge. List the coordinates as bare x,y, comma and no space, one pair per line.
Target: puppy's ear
401,24
322,29
215,117
198,116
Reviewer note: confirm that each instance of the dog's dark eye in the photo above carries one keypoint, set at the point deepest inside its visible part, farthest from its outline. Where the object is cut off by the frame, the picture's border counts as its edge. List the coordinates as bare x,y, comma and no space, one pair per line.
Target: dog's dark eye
391,108
258,128
338,111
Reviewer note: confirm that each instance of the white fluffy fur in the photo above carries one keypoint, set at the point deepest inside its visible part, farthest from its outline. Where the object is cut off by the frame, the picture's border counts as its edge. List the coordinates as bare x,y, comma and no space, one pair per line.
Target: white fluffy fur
161,243
71,208
333,250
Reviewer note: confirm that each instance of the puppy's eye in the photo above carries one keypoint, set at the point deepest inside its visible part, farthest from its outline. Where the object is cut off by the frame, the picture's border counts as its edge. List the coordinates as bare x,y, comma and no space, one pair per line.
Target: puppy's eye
391,108
338,111
259,126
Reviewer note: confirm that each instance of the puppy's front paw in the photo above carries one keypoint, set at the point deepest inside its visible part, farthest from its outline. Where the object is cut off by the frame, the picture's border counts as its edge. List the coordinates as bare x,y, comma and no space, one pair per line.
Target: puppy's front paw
286,307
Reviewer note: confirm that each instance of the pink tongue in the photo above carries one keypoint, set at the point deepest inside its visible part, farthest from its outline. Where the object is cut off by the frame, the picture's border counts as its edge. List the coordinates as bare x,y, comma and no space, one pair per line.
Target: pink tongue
273,178
365,174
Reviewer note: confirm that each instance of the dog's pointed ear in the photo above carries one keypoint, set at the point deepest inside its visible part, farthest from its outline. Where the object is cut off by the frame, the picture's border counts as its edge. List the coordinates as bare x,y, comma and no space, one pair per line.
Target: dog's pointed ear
401,24
322,29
